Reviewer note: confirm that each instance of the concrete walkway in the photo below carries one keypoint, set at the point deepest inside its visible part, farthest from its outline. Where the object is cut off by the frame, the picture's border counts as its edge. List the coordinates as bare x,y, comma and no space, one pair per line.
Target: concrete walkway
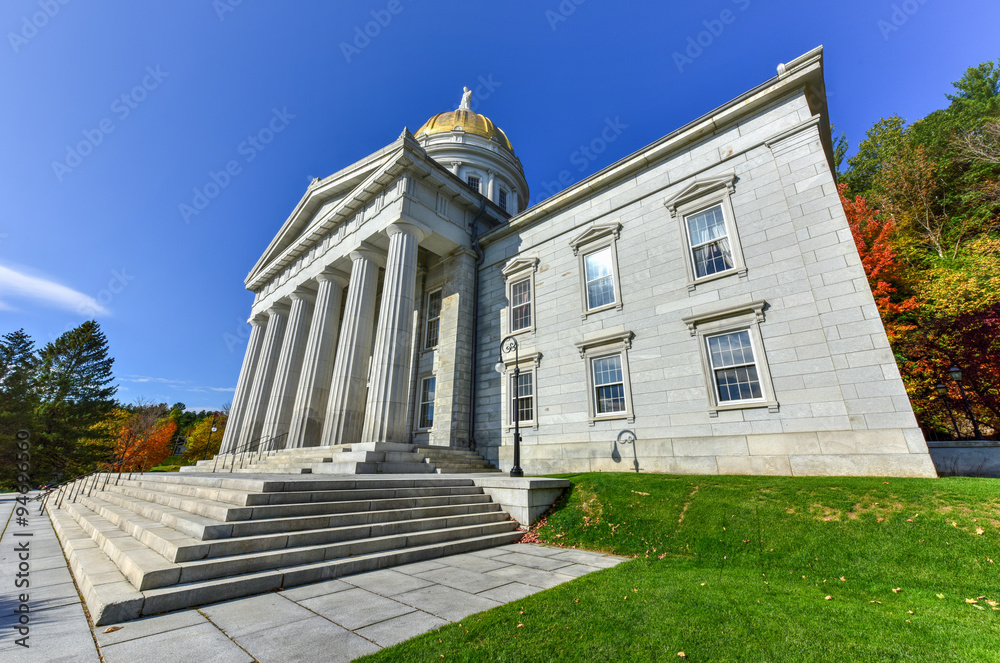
336,620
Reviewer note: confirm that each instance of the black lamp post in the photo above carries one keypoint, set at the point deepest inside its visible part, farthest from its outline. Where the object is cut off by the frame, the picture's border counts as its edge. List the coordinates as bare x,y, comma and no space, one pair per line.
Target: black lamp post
956,374
943,393
507,345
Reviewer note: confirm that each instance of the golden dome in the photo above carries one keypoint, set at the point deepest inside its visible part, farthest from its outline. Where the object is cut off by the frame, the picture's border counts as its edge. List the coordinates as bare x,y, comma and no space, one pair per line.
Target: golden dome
467,121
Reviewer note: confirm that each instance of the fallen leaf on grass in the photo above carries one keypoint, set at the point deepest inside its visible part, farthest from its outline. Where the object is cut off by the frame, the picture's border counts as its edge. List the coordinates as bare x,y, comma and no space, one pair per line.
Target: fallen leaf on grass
897,590
980,531
843,579
940,596
829,598
681,654
971,601
520,625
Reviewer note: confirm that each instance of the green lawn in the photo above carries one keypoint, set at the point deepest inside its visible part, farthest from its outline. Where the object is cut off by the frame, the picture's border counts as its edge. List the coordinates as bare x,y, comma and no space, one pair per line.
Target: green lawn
756,569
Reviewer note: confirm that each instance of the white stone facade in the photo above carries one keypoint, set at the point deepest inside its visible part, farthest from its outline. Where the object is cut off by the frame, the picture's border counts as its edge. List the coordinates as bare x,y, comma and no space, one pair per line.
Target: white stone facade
697,307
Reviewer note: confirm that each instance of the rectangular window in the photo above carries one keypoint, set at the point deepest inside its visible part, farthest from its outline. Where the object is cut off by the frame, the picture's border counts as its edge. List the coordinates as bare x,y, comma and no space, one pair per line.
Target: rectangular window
734,369
523,390
600,278
473,183
433,319
609,385
427,386
502,200
709,239
520,305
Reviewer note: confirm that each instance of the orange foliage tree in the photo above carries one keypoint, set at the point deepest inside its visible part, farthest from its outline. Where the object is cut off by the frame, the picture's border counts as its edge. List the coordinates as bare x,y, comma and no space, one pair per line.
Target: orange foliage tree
142,438
873,235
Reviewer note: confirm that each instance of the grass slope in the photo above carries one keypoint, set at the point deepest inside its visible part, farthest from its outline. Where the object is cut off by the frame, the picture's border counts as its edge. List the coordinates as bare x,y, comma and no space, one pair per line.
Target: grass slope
756,569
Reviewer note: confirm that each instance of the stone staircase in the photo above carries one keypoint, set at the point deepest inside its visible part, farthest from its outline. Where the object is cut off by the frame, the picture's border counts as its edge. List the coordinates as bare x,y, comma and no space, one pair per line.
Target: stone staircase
153,543
363,458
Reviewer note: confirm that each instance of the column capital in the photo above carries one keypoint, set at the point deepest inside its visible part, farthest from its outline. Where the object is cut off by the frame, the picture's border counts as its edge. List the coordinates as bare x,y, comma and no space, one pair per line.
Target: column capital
302,294
259,320
367,252
333,276
409,228
277,309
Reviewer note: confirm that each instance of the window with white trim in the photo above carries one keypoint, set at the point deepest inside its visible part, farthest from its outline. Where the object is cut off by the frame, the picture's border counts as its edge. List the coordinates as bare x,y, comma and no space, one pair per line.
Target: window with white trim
522,391
433,319
473,182
520,305
597,250
427,390
608,387
733,358
708,229
709,240
734,370
502,199
600,279
519,275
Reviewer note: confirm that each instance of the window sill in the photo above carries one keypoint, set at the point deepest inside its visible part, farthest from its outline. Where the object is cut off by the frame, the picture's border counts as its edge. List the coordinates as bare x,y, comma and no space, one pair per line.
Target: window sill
739,271
606,307
772,407
617,416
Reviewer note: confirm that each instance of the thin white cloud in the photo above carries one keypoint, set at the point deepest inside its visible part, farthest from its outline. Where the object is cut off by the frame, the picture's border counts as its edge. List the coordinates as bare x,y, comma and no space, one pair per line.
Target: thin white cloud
18,284
147,379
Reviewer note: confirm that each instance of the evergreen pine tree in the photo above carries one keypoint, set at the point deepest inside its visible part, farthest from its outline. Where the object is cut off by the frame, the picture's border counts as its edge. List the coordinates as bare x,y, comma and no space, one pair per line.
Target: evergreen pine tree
76,393
18,398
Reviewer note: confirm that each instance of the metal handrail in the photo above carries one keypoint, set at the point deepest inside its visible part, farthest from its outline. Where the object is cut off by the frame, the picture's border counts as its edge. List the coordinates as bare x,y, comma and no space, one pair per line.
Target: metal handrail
256,447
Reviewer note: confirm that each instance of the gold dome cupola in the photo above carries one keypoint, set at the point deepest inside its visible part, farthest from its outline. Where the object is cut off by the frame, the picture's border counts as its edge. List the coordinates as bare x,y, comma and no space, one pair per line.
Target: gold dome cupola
478,152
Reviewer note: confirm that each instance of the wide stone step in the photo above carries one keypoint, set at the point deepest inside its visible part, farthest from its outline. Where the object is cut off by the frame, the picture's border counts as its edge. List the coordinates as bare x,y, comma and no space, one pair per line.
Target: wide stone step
147,569
111,598
175,546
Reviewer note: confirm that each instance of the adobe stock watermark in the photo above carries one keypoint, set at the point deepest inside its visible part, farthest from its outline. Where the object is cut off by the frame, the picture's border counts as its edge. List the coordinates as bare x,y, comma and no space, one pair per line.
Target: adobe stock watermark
584,156
364,34
714,28
30,25
562,12
223,7
122,107
238,340
22,547
254,144
120,279
900,14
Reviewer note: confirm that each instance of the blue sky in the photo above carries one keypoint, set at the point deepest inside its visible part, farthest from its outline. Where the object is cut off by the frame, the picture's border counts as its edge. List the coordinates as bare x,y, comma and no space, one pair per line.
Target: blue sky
117,114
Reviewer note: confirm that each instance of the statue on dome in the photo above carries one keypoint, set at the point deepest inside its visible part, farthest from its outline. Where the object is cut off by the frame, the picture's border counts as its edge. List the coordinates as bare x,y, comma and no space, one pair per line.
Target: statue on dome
466,100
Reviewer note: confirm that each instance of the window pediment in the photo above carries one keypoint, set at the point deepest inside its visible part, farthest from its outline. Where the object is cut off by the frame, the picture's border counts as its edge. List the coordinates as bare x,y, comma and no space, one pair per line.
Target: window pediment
699,188
755,307
595,233
517,265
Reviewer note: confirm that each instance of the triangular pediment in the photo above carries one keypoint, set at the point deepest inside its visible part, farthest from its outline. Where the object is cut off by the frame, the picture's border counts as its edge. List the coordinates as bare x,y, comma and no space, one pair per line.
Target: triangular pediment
699,188
520,265
339,195
594,233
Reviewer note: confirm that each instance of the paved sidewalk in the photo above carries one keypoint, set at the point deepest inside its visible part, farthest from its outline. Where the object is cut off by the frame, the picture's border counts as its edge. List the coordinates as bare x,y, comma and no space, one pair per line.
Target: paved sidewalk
336,620
59,631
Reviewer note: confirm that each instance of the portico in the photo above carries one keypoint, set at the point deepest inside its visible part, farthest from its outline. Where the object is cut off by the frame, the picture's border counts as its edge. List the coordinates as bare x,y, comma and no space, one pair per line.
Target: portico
340,296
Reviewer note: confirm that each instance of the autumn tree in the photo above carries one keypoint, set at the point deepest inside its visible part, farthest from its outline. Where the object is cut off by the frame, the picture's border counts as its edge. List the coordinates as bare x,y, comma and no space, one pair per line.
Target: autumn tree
204,442
142,436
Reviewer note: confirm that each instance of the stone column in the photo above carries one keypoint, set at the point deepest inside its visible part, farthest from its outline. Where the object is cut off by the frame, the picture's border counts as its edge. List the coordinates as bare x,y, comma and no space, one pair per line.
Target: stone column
317,365
491,186
385,411
345,409
453,372
260,393
237,411
286,375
